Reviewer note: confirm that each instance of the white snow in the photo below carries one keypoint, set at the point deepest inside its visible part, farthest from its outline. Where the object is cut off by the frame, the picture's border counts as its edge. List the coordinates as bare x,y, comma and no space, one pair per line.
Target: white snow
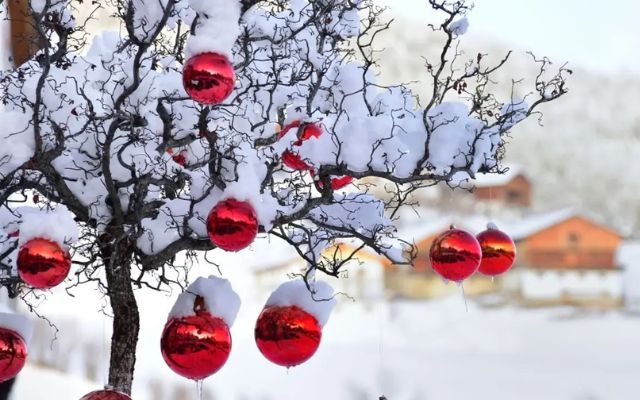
383,131
17,323
318,302
459,27
220,299
492,180
57,225
218,27
17,138
39,383
628,258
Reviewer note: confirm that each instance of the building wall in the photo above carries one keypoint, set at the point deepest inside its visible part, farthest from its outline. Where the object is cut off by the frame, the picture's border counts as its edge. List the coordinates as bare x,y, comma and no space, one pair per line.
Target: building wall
515,193
571,287
404,283
573,244
362,279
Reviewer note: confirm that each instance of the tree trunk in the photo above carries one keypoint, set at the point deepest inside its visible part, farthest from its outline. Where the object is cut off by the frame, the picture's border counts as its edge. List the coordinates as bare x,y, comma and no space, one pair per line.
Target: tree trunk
126,319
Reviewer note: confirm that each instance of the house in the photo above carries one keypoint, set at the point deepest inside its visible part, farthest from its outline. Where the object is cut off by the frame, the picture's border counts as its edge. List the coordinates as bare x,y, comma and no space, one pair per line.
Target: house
513,188
360,279
420,281
566,257
563,257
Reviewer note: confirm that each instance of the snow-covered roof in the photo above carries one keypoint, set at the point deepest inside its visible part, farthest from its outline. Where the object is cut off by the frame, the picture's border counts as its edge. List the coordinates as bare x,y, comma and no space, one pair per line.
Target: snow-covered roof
535,223
425,228
518,228
490,180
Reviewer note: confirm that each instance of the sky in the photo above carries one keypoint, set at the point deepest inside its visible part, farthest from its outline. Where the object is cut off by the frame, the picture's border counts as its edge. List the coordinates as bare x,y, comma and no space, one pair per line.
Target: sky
600,36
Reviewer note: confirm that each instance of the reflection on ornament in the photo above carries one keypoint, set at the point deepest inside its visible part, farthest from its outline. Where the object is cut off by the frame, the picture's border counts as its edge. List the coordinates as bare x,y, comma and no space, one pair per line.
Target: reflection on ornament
42,263
196,346
455,255
498,252
291,159
105,395
13,354
209,78
287,336
232,225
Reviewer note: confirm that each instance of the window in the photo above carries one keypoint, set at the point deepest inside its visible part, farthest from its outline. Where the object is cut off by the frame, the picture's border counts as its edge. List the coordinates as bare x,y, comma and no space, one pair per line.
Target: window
573,238
513,196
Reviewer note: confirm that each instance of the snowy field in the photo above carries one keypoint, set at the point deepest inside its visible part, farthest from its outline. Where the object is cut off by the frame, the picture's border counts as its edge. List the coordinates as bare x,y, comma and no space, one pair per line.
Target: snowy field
405,351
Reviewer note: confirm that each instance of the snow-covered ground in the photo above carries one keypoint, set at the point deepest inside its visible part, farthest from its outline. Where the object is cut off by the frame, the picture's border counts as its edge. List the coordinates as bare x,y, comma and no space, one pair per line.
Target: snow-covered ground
405,351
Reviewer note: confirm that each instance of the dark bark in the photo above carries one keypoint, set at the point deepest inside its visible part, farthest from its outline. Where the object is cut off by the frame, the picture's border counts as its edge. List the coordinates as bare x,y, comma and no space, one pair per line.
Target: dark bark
126,319
5,389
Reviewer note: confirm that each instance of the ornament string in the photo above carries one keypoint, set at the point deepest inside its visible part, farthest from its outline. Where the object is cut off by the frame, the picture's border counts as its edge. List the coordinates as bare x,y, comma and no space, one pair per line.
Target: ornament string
464,297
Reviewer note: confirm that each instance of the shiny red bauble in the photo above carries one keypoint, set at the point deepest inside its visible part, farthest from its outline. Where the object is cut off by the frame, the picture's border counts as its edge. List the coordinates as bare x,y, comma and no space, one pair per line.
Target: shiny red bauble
291,159
13,354
196,346
336,183
498,252
42,263
208,78
455,255
179,157
105,395
287,336
232,225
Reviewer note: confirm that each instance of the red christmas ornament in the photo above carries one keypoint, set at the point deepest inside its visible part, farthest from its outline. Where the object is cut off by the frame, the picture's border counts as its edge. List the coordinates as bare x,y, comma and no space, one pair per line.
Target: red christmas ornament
287,336
13,354
498,252
180,157
291,159
105,395
455,255
208,78
43,264
196,346
336,183
232,225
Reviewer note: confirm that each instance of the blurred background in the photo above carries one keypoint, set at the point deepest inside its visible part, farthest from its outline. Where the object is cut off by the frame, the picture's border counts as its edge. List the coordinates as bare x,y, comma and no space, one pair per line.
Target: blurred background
562,325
